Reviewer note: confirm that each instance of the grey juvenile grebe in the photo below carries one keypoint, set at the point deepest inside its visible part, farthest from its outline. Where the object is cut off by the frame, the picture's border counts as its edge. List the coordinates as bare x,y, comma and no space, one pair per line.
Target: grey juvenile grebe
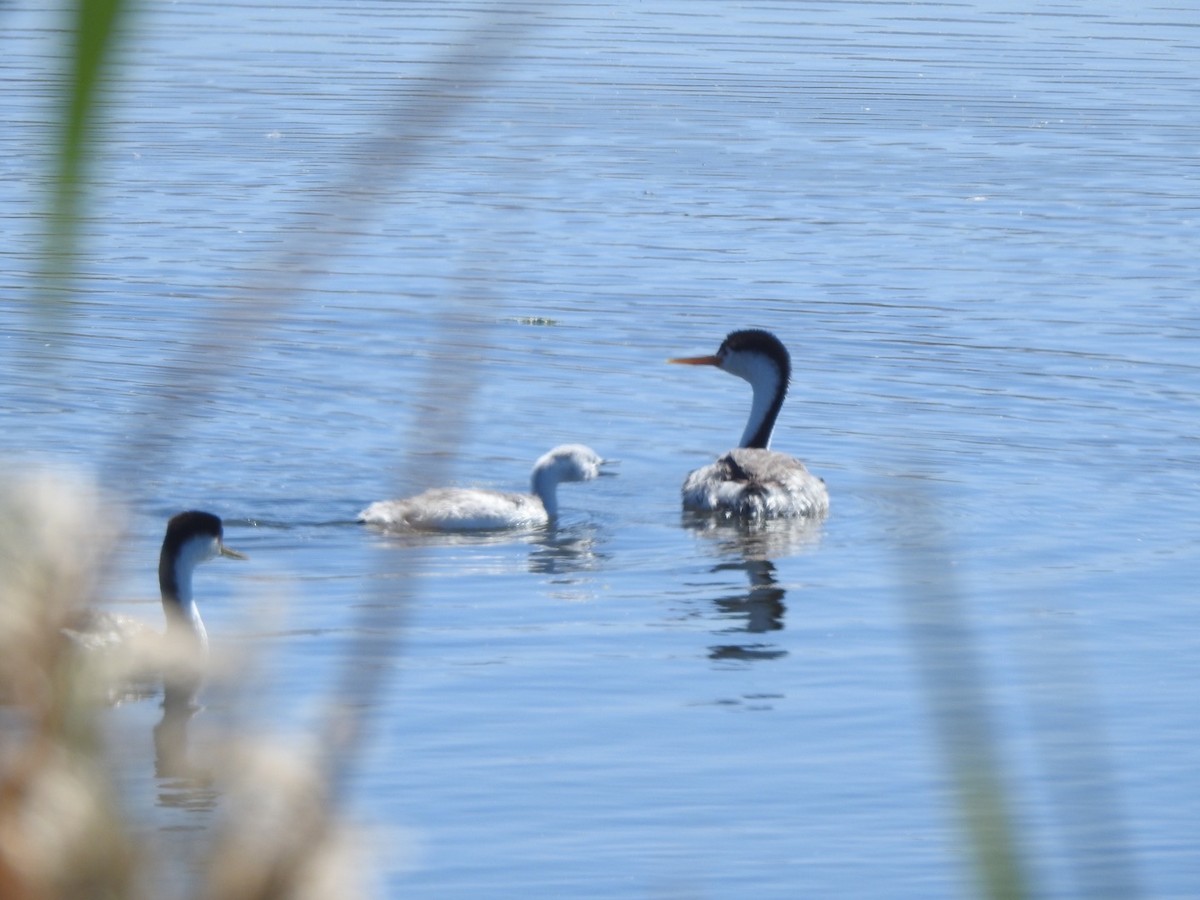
754,482
478,509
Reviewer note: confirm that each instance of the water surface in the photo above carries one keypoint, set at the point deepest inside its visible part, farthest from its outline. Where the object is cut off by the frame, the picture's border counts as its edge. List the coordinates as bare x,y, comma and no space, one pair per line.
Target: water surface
975,228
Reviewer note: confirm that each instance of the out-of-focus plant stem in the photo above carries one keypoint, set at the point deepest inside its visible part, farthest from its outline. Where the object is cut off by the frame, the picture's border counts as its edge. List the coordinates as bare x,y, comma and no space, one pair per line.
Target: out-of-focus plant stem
94,30
960,702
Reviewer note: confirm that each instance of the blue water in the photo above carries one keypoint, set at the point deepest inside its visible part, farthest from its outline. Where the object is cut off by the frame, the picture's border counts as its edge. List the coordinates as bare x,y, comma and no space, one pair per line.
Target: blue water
355,265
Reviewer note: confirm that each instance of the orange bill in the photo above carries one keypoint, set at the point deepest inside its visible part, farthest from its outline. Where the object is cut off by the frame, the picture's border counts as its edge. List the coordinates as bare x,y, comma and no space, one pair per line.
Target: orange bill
697,360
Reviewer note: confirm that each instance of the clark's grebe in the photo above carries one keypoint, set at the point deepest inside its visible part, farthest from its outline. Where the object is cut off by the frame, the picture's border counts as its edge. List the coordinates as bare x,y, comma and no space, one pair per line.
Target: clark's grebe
752,481
480,509
192,537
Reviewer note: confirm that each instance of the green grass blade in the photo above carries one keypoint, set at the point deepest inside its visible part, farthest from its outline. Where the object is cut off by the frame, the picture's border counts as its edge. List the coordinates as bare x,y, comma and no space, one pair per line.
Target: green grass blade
93,31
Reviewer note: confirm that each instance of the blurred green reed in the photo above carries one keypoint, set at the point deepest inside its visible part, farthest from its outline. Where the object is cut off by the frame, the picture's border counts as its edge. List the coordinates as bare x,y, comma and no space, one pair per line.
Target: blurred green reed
93,33
959,702
963,702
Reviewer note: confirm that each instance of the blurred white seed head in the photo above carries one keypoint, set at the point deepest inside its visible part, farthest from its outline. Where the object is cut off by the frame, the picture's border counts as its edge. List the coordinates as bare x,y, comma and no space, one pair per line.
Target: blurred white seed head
57,532
278,837
60,833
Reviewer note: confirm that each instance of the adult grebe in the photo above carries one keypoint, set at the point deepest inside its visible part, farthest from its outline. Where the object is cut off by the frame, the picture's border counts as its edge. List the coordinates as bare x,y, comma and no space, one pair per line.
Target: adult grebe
480,509
192,537
754,482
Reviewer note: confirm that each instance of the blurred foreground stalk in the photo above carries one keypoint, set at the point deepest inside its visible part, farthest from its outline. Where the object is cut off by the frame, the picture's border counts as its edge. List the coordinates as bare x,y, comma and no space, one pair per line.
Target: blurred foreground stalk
60,831
955,688
94,32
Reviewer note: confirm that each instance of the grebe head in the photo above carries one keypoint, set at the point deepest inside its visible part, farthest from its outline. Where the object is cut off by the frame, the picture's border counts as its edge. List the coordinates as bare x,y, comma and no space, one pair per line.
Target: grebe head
195,537
569,462
760,358
192,537
751,354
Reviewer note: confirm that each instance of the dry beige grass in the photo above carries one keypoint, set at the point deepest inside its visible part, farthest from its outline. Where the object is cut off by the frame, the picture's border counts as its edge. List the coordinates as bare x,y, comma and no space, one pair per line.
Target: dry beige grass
63,831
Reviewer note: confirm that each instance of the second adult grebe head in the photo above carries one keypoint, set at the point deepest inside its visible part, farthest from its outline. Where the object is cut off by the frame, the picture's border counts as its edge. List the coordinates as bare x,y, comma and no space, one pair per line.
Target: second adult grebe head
760,358
745,353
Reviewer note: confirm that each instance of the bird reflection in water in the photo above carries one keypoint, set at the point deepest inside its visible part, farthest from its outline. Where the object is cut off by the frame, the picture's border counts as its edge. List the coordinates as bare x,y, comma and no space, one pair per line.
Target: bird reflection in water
761,609
553,549
750,548
564,556
182,784
565,551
